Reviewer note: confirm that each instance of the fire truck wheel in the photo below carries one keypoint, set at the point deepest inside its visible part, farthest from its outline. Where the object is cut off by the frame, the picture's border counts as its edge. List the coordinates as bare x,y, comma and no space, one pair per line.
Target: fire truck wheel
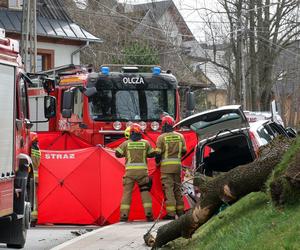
18,230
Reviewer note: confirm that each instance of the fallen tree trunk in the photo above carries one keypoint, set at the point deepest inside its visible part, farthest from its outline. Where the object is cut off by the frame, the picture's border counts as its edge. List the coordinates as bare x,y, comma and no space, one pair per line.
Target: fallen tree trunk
285,181
227,187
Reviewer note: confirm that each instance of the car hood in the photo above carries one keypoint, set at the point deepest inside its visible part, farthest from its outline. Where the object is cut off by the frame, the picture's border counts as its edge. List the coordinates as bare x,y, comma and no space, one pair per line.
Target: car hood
209,123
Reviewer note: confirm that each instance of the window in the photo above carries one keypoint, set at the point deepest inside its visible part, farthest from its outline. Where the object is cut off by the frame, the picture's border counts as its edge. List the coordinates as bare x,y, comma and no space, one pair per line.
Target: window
23,99
45,59
15,4
132,105
78,103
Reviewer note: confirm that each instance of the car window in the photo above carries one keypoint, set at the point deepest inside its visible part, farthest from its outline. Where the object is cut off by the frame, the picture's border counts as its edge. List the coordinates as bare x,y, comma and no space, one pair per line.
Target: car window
211,120
264,136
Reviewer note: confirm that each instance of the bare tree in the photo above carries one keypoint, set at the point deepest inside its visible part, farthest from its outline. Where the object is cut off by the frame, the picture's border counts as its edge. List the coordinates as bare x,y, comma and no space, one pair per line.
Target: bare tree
265,28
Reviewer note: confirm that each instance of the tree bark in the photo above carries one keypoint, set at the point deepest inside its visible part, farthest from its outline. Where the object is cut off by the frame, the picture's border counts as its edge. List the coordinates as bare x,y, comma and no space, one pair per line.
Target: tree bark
227,187
286,187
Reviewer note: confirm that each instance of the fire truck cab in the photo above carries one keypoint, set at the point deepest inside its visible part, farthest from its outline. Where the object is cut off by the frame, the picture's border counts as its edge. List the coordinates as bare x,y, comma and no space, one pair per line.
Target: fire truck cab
98,106
16,174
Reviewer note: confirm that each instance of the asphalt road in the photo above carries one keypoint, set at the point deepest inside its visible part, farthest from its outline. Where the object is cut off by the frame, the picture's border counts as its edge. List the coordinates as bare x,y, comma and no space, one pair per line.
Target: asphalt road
47,237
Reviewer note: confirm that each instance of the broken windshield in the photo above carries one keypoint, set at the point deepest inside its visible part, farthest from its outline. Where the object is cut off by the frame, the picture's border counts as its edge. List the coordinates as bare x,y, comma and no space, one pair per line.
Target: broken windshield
132,105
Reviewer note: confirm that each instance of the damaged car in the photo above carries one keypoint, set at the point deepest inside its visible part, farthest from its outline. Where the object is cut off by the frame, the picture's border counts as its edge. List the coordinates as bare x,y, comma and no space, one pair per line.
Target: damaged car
224,139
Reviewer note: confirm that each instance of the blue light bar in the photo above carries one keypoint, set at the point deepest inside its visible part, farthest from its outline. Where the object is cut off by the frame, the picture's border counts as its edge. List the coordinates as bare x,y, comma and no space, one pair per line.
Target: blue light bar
105,70
156,70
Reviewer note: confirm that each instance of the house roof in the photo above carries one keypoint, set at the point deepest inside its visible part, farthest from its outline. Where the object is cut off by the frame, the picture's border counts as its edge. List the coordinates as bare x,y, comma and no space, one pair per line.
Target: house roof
158,8
47,25
152,12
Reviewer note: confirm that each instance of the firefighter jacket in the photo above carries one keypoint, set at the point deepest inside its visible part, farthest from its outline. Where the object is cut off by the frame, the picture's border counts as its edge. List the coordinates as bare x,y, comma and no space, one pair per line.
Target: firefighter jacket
171,147
135,153
36,158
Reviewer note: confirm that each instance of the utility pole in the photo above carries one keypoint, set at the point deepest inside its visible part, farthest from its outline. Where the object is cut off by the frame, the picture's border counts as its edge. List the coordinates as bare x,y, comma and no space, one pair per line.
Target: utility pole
28,37
242,53
244,91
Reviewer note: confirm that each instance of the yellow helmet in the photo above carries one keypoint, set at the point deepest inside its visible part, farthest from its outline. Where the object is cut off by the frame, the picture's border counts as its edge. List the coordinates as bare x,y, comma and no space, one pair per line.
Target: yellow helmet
127,132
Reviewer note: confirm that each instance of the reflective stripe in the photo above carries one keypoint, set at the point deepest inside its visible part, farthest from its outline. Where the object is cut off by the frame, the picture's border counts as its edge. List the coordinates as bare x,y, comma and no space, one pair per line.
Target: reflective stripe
125,206
136,167
167,149
36,153
128,156
170,161
170,208
144,156
172,138
120,151
136,145
147,205
179,149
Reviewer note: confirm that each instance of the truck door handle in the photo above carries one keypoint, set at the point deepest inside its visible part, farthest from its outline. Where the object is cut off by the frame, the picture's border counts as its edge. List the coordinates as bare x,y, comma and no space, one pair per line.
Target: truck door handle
28,124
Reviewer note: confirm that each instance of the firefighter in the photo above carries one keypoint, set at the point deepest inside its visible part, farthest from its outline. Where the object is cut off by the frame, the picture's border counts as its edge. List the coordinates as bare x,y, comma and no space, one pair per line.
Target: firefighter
170,147
36,158
136,150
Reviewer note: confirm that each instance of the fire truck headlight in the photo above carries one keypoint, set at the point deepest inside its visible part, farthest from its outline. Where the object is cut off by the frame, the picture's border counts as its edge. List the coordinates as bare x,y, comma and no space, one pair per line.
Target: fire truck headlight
117,125
154,126
105,70
143,125
128,124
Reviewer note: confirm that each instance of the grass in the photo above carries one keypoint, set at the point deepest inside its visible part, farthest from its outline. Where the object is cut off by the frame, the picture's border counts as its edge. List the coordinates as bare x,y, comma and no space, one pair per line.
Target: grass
250,224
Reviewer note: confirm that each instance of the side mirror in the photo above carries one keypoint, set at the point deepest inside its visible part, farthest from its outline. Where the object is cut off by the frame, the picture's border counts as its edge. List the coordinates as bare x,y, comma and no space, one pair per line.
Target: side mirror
67,104
89,92
49,106
48,84
190,102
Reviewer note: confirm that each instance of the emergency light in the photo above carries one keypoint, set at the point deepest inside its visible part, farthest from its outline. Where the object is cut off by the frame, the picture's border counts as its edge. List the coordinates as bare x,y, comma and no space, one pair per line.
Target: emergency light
156,70
105,70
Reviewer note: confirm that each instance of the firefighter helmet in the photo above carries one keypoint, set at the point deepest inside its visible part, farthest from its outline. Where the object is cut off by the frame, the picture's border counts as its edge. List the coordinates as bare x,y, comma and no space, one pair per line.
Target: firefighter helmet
167,120
135,128
127,132
33,136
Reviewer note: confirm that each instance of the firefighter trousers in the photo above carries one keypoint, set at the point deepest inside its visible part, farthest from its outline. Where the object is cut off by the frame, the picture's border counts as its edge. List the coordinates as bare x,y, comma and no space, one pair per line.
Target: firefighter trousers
171,183
128,184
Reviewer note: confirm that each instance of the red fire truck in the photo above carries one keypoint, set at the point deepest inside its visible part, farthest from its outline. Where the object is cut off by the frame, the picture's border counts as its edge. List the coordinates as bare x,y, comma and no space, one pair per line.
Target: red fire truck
16,175
98,106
